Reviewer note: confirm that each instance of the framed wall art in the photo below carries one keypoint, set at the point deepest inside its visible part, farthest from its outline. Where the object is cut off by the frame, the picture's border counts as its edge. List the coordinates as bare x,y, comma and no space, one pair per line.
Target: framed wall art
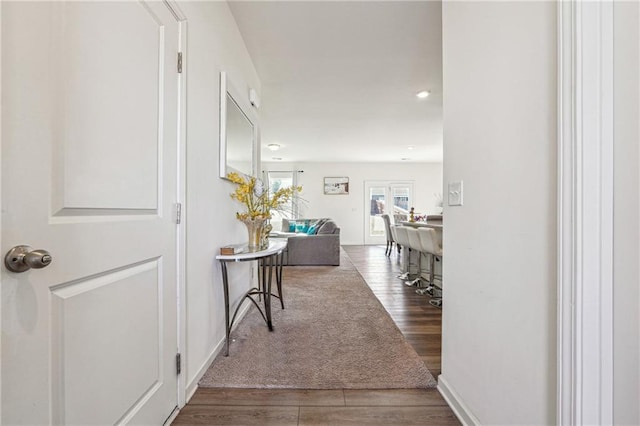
336,185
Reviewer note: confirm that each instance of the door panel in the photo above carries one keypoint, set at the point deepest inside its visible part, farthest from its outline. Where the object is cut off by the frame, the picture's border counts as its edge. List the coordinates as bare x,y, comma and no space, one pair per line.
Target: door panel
93,322
384,197
89,150
375,231
110,140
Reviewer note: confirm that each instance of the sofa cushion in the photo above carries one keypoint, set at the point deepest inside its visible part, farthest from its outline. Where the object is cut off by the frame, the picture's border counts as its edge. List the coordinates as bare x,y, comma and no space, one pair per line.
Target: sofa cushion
329,227
316,224
320,222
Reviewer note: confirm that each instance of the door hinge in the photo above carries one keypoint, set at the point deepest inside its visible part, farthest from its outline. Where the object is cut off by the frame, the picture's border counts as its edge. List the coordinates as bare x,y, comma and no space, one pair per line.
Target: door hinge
179,62
178,363
178,213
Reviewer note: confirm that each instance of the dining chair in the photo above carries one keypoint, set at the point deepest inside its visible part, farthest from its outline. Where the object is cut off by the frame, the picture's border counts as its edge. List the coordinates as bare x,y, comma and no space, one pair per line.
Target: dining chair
430,245
389,234
402,240
415,255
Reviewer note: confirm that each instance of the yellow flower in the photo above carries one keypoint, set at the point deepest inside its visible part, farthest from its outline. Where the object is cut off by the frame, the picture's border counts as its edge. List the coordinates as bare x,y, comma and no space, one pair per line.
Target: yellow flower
251,193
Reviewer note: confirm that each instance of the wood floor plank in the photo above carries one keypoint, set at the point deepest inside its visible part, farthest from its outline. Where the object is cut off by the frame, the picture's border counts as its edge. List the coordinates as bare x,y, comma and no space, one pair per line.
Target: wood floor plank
391,397
296,397
220,415
406,416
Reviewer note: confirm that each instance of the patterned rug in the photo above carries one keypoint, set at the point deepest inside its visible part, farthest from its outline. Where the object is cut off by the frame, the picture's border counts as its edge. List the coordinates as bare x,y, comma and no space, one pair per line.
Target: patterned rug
332,334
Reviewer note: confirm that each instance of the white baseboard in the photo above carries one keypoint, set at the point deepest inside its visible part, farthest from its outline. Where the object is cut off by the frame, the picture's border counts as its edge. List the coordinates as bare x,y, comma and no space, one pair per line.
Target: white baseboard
192,386
458,406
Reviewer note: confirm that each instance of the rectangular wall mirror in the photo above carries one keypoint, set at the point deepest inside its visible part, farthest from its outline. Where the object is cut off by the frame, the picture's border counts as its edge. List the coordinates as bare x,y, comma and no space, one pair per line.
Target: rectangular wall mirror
238,131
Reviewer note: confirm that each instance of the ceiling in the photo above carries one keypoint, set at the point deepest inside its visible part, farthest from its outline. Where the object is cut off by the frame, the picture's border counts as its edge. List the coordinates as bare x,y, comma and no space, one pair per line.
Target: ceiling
339,78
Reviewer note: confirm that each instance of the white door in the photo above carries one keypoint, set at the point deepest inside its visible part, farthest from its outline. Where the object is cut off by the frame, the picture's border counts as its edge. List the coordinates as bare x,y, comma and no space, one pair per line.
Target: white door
384,197
89,173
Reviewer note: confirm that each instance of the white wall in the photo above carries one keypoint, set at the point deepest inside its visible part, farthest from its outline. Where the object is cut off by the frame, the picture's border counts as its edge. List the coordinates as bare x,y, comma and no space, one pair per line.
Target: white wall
626,380
348,210
499,320
214,44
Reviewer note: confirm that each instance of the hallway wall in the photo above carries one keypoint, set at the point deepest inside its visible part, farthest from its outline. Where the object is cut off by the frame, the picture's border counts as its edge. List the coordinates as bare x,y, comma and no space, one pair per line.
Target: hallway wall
626,272
499,314
214,44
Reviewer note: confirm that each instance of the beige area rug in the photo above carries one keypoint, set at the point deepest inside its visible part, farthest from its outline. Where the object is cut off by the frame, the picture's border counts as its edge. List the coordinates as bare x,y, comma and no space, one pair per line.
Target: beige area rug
332,334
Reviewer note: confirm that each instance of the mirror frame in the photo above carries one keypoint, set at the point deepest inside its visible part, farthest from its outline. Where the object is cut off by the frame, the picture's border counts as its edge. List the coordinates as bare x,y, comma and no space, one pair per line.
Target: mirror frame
226,88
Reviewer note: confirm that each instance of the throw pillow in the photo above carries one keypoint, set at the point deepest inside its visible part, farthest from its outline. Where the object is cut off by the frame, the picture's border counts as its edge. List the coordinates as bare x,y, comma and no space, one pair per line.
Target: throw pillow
292,226
328,227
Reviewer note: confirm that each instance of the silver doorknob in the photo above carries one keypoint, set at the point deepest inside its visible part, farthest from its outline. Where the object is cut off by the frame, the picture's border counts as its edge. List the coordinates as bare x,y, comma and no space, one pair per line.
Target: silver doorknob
23,258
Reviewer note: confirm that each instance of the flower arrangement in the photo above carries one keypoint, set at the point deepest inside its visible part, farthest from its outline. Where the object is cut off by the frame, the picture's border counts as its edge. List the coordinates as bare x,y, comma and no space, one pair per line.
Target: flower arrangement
252,193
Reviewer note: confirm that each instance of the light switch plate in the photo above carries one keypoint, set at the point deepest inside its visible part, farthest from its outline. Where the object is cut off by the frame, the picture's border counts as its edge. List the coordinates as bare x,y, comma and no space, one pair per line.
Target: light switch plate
455,193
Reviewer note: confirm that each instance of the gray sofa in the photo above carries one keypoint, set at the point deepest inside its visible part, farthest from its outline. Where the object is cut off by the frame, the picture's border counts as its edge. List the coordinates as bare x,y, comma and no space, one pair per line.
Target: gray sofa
321,247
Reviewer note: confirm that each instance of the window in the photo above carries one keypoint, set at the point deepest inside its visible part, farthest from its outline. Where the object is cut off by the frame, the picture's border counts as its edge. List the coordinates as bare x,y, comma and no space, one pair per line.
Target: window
283,179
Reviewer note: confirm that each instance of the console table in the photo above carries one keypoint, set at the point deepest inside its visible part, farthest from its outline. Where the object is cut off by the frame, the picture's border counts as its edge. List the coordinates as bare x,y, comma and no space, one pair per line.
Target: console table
269,258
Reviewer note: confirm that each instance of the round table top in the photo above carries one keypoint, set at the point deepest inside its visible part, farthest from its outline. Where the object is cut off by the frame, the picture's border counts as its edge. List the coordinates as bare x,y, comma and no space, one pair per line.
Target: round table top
274,248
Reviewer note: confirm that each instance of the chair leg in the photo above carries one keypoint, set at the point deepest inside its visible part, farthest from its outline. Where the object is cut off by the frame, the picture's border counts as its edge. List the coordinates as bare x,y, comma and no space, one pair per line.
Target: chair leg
405,263
437,302
417,282
432,272
429,288
413,283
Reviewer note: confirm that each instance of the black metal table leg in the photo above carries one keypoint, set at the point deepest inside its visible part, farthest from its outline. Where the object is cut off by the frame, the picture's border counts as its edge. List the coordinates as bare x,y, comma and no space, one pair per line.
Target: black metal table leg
274,257
279,262
225,286
266,287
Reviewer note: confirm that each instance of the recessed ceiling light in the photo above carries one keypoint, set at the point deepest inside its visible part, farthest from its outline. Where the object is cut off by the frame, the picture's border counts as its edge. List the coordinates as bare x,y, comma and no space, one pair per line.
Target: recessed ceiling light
410,147
276,158
423,94
273,146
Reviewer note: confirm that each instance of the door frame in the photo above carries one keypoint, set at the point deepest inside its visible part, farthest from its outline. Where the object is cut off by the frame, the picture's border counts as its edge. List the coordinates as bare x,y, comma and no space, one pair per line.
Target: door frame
585,213
181,197
1,7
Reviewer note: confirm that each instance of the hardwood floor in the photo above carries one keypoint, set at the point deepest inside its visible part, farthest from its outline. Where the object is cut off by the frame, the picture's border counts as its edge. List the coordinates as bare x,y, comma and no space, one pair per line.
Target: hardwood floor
420,322
416,318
